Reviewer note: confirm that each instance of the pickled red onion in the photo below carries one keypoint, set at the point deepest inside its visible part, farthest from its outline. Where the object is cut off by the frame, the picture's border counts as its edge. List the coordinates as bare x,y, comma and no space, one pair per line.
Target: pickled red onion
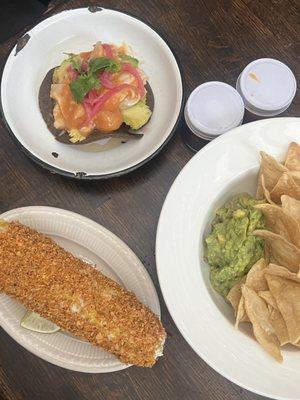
108,50
91,97
84,66
73,74
105,79
101,100
134,71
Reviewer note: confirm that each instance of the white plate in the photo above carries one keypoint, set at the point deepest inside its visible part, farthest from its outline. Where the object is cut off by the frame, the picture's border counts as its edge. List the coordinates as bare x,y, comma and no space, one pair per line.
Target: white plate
95,244
74,31
226,166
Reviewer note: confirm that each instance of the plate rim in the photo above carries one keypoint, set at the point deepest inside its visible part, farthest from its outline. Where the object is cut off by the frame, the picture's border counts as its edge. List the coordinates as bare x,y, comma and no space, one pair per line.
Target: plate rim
49,358
162,281
81,175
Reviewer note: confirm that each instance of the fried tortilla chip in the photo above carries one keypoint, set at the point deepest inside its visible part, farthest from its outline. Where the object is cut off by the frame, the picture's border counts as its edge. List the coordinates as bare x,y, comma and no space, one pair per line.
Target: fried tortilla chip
292,161
268,297
291,207
235,294
285,185
255,279
271,170
283,272
259,316
281,223
287,295
279,325
262,191
296,176
267,253
283,252
241,315
256,276
276,318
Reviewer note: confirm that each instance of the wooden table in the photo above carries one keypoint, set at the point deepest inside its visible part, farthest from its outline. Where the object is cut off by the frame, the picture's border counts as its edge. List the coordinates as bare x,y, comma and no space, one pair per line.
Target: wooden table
214,40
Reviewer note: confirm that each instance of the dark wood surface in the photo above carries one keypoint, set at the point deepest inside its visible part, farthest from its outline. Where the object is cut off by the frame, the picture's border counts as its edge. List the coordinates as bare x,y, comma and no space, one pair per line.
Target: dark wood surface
213,40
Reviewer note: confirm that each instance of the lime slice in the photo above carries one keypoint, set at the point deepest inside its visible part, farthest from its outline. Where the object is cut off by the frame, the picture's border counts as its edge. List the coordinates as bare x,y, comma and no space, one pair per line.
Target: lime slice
34,322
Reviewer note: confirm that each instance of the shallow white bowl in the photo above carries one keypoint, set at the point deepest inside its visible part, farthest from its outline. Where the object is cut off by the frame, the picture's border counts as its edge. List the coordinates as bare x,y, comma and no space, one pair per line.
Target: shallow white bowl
226,166
96,245
74,31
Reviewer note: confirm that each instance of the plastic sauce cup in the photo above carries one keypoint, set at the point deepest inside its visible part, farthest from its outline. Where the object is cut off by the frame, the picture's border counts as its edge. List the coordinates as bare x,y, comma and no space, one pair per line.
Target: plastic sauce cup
212,109
267,87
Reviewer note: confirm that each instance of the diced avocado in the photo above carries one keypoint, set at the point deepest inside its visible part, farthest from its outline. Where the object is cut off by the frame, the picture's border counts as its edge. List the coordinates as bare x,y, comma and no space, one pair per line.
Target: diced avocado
137,115
76,136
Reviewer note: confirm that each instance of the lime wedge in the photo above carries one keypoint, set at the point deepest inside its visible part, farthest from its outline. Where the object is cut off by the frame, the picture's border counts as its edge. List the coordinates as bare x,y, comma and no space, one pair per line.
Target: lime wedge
34,322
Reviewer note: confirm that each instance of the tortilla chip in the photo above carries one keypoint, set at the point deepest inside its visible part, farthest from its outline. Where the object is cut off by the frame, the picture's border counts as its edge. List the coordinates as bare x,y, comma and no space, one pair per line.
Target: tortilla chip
268,297
235,294
267,252
296,176
262,192
256,276
259,316
241,315
282,252
281,223
291,207
292,161
279,325
271,170
283,272
276,318
285,185
287,295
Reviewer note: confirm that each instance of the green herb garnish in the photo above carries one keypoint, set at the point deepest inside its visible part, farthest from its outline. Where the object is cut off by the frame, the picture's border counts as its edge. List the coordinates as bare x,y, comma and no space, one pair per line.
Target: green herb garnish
82,85
133,61
89,80
107,64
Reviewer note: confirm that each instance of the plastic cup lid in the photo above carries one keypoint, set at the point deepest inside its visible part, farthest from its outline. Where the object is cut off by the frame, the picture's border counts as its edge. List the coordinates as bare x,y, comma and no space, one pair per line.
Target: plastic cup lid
214,108
268,84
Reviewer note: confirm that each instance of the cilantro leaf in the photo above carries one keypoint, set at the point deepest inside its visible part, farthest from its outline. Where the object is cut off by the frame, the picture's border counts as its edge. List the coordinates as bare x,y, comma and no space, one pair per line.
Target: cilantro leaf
75,64
82,85
105,63
126,58
88,81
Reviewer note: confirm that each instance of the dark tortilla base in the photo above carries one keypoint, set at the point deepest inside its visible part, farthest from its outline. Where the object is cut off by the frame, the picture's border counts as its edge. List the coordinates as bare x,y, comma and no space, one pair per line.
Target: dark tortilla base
47,104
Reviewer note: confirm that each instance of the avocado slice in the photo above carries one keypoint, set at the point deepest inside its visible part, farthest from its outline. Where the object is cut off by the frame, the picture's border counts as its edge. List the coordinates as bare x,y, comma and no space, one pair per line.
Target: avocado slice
137,115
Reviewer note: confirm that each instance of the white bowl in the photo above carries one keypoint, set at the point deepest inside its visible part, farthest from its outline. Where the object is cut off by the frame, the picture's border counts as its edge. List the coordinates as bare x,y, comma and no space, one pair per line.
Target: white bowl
74,31
226,166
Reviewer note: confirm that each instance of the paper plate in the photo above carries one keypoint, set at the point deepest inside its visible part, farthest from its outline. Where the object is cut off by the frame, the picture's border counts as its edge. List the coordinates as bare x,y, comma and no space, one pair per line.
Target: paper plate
74,31
226,166
94,244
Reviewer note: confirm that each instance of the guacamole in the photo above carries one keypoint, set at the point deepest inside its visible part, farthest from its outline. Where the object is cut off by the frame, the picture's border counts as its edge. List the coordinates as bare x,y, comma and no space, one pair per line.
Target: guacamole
230,249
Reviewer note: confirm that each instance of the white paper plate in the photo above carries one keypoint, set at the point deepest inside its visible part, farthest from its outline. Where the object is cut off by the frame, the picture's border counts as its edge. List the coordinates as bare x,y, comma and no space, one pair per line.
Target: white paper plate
95,244
74,31
226,166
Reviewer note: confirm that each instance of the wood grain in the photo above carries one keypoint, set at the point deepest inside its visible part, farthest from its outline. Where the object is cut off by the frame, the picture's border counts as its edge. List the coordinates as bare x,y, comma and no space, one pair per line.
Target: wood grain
213,40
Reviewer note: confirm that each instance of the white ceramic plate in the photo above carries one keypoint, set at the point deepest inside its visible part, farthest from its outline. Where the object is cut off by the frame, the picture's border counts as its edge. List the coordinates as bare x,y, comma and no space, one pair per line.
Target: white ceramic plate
226,166
74,31
95,244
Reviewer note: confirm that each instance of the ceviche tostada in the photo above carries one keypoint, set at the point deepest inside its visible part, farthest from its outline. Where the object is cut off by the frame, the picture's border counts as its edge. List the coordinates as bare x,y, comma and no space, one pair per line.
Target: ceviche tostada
96,94
253,250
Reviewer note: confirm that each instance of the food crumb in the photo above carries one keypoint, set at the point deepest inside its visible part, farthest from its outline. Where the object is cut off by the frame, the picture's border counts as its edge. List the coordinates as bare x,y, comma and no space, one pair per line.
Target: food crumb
55,155
253,76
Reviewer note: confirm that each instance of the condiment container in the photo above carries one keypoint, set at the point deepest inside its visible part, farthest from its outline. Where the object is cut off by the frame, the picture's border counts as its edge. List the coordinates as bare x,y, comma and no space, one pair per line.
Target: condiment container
212,109
267,87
